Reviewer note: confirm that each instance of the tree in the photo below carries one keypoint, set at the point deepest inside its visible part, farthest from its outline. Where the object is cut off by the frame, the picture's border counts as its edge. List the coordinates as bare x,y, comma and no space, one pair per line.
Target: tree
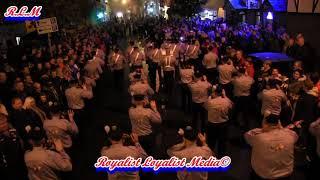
186,8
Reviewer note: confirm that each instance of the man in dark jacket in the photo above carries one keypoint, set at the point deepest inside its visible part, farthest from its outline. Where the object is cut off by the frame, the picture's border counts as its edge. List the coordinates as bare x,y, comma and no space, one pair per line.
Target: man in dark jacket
307,110
21,119
304,52
11,150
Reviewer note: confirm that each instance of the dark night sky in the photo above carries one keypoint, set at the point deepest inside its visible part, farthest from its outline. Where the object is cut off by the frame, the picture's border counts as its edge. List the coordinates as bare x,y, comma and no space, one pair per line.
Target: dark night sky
50,7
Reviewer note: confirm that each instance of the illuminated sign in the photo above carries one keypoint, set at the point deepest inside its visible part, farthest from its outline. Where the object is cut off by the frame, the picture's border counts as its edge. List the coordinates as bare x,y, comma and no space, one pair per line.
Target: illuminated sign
208,14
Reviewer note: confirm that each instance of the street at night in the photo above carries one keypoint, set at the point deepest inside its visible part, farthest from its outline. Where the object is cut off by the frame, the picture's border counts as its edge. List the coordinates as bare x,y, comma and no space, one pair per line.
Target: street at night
160,89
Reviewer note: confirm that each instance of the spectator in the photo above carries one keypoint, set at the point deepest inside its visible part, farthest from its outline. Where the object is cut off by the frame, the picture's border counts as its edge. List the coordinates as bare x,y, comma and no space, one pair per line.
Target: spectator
19,90
34,112
11,149
303,52
21,119
4,89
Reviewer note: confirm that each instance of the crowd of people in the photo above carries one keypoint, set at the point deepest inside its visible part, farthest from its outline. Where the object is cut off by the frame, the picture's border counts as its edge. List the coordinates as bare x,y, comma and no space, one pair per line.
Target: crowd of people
43,98
42,104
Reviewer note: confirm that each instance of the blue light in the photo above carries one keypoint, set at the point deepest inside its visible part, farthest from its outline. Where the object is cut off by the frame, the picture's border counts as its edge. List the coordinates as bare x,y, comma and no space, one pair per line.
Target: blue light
20,19
270,16
100,15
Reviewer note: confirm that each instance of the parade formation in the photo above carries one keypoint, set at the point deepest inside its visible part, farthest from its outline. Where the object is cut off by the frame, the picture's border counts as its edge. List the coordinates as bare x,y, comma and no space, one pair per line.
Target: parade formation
149,97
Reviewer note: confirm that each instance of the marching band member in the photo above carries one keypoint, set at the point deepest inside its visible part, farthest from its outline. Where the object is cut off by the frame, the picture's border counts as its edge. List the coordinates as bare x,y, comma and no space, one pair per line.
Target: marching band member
129,50
140,87
137,57
272,149
186,77
43,163
199,91
192,54
116,63
219,108
189,149
142,119
168,63
120,150
154,65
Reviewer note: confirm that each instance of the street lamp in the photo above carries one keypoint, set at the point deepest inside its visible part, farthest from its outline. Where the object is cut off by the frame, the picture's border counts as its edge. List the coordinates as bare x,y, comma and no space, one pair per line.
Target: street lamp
119,14
100,15
165,9
124,2
270,16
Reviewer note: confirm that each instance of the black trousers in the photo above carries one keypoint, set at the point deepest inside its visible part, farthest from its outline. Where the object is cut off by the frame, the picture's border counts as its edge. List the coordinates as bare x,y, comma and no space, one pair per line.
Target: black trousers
217,135
147,142
313,169
254,176
199,117
118,79
228,89
196,63
211,75
168,80
242,111
154,68
186,98
81,119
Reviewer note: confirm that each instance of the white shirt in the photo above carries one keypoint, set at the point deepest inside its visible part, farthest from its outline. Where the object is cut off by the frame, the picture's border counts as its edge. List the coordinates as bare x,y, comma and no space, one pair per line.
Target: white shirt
141,120
44,164
168,63
186,75
119,151
199,91
93,69
210,60
272,100
62,129
180,151
272,152
192,51
117,61
155,55
225,73
140,88
218,109
242,85
75,97
174,50
137,58
129,52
